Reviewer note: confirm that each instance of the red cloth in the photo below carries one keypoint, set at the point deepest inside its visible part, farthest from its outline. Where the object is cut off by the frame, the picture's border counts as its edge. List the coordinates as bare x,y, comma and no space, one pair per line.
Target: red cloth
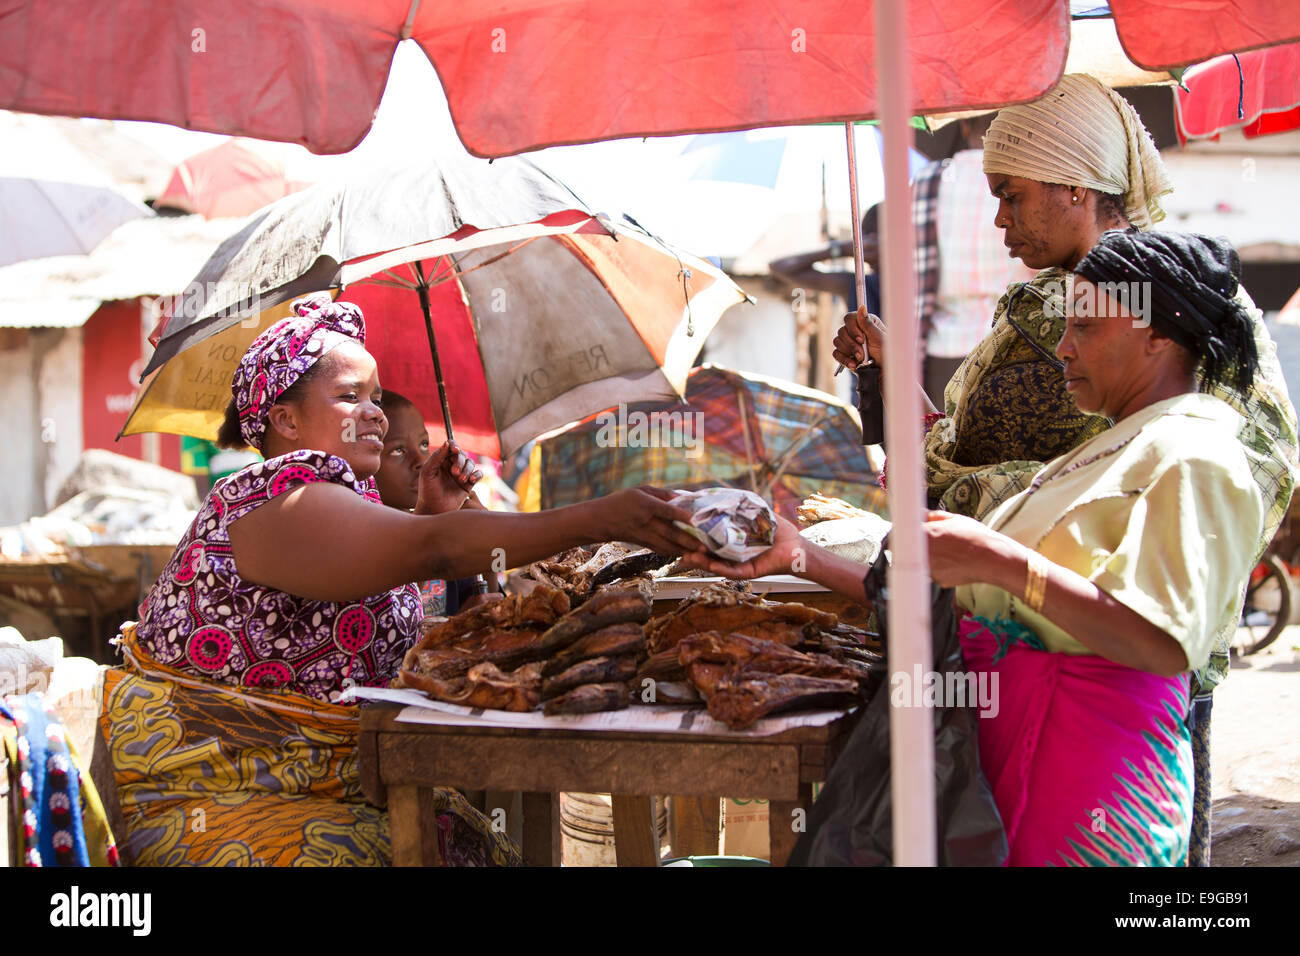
1089,761
520,74
1267,87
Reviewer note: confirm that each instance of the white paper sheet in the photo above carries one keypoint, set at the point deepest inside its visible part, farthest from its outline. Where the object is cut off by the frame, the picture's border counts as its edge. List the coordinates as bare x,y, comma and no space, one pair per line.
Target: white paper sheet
674,588
643,718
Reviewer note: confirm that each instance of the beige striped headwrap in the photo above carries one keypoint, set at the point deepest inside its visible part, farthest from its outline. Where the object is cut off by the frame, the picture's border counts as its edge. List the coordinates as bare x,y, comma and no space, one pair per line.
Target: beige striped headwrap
1082,134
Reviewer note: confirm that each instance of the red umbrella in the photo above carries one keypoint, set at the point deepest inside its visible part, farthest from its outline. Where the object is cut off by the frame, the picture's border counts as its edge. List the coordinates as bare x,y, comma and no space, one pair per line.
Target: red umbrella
234,179
1258,92
522,74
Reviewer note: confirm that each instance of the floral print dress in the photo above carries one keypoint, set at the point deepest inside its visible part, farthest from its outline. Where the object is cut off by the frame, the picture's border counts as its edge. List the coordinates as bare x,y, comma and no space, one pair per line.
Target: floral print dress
201,617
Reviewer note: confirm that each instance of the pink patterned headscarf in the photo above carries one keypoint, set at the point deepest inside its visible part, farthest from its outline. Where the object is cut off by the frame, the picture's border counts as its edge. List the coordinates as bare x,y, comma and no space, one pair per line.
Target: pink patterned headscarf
280,355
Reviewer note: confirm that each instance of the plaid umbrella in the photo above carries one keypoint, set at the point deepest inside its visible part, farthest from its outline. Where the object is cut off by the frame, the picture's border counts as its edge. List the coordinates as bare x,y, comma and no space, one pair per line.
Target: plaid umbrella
746,431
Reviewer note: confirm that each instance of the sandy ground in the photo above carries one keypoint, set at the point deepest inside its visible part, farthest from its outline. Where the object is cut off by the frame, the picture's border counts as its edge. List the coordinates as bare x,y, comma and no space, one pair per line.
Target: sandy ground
1255,758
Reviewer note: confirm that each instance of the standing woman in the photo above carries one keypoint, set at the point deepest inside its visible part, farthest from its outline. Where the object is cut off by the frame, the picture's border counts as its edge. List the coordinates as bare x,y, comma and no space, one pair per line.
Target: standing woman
1094,591
292,584
1067,168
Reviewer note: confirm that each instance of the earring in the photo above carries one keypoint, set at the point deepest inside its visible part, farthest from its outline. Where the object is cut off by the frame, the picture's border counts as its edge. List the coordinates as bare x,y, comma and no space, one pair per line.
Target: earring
1074,199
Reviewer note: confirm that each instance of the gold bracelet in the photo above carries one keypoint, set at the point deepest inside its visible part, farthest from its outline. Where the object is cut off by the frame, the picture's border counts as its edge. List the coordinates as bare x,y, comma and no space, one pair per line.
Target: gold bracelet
1036,581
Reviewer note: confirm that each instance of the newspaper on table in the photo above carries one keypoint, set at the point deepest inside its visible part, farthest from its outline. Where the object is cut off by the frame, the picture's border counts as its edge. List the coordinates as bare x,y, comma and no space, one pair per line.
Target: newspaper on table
638,718
733,523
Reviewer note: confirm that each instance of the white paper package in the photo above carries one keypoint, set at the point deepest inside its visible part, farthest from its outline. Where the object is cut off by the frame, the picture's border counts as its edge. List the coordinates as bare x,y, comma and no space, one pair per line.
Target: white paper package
733,523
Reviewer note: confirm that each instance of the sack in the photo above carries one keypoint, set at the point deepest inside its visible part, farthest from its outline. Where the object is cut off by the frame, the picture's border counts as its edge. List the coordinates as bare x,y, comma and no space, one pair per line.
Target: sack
851,822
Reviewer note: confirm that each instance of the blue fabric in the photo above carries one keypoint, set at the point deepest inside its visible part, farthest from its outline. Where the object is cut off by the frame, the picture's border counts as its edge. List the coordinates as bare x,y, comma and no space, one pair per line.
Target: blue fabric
49,786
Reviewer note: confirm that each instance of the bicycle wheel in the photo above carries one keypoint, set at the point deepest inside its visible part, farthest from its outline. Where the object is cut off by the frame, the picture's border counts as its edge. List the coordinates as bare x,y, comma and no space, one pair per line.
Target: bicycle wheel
1267,610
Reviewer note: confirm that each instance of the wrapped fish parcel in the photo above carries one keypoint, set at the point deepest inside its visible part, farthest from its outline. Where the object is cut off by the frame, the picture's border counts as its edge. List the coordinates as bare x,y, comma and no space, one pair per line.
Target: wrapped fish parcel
734,524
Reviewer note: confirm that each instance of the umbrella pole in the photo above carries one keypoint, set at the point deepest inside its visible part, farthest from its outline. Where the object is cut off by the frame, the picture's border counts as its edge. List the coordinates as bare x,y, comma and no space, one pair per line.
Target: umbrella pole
422,289
911,726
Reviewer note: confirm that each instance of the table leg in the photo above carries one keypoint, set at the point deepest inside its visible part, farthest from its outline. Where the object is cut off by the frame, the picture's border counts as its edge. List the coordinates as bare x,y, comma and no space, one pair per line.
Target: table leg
636,841
413,825
541,829
787,819
696,825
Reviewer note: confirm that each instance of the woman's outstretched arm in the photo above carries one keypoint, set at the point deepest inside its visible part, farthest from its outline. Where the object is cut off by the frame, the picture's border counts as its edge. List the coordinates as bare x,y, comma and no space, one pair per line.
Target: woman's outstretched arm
325,542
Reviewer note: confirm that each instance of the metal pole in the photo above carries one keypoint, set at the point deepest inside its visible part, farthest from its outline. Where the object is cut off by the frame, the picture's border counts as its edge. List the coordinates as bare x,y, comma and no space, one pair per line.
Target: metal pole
911,726
422,288
859,276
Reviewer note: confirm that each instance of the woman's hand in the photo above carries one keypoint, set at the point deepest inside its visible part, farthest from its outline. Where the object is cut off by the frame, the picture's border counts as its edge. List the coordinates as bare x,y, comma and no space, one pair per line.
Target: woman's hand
445,480
787,551
861,334
643,515
964,551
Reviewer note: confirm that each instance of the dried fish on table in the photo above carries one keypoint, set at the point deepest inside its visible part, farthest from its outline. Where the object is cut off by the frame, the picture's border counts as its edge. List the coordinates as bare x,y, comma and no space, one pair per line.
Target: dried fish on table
613,641
663,666
721,608
589,699
580,572
614,605
739,701
485,685
505,647
541,606
595,670
630,566
742,653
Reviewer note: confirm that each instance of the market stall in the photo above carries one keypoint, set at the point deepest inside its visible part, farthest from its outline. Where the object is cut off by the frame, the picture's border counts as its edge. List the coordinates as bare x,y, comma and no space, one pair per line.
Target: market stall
610,670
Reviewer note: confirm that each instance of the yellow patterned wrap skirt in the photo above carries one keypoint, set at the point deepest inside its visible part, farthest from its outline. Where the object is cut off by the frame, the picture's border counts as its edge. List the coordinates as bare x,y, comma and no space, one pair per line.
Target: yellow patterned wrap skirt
217,775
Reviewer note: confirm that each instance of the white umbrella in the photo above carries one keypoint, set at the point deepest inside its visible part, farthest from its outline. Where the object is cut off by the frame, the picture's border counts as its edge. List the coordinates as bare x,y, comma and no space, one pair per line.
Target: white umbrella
53,200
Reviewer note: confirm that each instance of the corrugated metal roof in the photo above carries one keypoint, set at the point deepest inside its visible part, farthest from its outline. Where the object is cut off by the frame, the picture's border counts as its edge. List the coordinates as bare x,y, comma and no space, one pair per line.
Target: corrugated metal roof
158,256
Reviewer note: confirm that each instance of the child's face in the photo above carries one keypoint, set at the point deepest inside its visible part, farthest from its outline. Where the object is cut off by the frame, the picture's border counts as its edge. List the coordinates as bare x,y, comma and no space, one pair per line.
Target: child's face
406,449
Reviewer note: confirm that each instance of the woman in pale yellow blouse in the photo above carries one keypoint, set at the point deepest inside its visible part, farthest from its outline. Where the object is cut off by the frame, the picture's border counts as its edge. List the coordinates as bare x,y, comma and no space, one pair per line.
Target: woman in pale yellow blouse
1091,594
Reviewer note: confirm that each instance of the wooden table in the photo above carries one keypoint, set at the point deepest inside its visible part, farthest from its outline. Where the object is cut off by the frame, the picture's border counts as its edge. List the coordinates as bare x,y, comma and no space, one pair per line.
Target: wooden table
400,761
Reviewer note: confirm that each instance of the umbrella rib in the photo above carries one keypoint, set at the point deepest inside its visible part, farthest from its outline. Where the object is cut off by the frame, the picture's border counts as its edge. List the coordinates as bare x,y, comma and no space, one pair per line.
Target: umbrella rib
749,445
454,273
389,284
788,456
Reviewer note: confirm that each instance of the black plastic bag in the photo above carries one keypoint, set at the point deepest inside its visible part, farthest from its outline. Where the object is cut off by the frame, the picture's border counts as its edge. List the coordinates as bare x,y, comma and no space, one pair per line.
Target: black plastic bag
851,822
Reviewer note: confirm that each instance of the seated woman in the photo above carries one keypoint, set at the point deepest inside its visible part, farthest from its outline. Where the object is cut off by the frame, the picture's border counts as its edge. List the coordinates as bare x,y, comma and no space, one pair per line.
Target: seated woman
229,739
406,453
1094,591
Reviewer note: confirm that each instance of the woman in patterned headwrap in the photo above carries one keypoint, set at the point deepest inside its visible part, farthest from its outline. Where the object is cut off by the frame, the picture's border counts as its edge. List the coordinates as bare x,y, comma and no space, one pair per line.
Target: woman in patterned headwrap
1067,168
292,584
1093,592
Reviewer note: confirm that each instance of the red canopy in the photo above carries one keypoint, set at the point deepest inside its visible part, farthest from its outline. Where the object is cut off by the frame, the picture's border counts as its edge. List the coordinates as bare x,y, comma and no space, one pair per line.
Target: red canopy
235,178
522,74
1266,87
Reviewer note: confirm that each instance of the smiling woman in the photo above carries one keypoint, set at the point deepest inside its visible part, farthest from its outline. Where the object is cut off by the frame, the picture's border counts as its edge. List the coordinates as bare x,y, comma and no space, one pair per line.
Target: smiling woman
293,584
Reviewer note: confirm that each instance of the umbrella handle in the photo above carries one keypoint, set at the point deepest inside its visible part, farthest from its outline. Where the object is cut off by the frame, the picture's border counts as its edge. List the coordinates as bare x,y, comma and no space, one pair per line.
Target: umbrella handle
859,277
